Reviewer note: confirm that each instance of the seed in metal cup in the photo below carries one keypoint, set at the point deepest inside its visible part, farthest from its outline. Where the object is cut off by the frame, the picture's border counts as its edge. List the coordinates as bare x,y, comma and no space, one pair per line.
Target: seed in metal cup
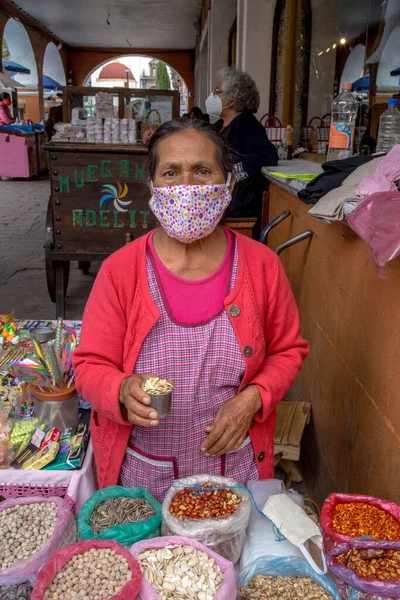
160,391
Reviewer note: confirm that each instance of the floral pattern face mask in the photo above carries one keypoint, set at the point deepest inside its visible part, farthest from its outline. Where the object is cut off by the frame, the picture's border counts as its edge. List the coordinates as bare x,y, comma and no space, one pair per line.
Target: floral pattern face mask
190,212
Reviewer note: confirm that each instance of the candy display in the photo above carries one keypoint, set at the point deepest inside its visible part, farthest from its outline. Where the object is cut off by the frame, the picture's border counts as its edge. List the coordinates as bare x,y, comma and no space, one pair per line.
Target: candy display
24,529
181,571
97,572
203,503
119,511
72,448
264,587
356,519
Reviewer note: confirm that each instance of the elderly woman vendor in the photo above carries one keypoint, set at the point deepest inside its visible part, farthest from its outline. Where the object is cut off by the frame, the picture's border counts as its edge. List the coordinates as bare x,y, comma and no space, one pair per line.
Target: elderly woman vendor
200,305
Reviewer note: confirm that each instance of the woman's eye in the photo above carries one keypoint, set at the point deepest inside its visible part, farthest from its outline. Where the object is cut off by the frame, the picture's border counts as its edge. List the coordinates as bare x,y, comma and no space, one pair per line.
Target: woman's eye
203,172
170,173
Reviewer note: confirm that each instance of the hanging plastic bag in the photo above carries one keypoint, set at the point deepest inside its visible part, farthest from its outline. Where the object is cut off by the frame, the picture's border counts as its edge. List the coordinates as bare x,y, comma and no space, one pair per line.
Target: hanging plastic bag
377,221
224,535
351,584
64,533
227,589
128,534
62,557
288,566
331,538
296,526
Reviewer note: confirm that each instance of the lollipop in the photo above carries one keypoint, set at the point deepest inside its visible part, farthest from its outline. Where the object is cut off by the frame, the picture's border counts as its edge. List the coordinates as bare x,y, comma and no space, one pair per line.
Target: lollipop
67,349
30,372
58,337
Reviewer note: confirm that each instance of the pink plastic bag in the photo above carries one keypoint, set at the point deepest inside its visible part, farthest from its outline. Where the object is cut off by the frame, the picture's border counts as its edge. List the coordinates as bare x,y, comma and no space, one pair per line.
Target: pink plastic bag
331,538
64,533
386,589
60,559
377,221
227,590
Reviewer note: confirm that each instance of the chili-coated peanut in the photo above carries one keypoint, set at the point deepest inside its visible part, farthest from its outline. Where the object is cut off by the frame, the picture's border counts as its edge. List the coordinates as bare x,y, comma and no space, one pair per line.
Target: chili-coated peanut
373,564
356,519
202,504
264,587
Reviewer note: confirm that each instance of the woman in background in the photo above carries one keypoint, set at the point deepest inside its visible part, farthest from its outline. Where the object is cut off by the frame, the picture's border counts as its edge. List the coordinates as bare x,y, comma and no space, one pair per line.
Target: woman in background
5,114
236,99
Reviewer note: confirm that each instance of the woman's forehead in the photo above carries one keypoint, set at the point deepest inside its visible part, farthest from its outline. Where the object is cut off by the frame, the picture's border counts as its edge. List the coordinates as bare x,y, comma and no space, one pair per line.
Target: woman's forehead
189,145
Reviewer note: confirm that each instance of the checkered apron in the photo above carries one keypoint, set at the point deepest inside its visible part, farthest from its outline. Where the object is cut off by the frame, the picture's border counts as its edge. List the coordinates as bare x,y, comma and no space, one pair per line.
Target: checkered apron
206,365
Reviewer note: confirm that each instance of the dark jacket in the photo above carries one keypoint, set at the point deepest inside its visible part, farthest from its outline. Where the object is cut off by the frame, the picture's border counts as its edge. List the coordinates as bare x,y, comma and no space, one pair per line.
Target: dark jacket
251,150
55,116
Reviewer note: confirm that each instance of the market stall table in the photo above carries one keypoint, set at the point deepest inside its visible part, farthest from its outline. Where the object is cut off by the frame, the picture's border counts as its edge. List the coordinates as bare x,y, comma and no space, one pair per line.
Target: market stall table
21,151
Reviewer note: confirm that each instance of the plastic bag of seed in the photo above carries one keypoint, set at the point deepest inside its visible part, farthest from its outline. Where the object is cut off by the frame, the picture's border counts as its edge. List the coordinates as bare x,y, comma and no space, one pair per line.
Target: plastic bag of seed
367,558
34,525
88,583
125,534
359,516
287,566
223,533
225,591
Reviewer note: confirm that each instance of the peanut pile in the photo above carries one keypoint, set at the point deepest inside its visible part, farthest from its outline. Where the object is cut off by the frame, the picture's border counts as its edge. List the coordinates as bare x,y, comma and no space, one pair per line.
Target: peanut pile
98,574
264,587
356,519
24,529
198,503
373,564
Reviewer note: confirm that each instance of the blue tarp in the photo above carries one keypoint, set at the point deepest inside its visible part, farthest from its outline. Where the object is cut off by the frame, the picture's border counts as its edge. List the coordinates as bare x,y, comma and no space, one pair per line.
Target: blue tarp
51,84
13,67
22,128
361,84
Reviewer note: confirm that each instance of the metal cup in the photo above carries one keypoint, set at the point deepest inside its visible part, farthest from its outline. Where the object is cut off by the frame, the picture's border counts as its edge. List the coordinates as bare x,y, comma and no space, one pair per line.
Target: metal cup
161,403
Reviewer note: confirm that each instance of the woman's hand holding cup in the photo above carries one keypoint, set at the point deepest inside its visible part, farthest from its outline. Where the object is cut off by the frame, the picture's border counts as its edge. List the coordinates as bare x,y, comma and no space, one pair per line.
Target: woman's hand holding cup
136,402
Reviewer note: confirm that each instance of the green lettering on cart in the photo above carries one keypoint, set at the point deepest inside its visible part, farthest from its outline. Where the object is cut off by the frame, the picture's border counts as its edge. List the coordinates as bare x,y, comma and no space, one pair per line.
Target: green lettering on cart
103,218
105,174
92,172
145,214
140,173
64,182
124,169
117,224
81,183
77,218
132,214
91,220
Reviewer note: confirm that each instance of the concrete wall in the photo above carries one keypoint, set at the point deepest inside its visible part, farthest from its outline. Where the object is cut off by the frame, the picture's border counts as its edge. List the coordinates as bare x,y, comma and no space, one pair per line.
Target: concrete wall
352,378
254,49
222,16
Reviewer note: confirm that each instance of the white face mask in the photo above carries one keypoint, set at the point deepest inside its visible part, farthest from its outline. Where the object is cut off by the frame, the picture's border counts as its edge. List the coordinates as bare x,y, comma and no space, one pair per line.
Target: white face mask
214,105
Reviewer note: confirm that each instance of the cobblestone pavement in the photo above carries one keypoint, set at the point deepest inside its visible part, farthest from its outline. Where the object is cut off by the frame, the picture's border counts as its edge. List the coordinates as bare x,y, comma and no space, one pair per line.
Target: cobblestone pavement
23,287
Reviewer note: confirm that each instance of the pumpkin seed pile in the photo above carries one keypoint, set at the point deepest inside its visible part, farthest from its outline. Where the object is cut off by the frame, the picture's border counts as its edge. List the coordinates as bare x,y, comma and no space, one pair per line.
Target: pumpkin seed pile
181,573
156,386
119,511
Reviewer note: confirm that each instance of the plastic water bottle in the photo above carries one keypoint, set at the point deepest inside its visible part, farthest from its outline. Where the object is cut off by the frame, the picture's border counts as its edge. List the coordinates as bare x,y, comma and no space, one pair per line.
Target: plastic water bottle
389,127
344,115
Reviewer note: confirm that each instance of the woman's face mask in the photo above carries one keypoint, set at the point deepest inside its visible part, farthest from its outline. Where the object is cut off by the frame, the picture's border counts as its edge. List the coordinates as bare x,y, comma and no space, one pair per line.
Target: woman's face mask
190,212
214,105
7,102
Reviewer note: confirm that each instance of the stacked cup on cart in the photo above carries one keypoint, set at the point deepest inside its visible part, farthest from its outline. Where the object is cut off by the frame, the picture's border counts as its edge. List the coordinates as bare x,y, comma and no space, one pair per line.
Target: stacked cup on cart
89,569
180,567
226,534
132,131
32,530
94,130
111,130
125,534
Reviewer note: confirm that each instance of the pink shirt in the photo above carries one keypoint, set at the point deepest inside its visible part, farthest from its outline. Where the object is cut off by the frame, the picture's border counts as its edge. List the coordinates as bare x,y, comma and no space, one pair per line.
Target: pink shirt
193,302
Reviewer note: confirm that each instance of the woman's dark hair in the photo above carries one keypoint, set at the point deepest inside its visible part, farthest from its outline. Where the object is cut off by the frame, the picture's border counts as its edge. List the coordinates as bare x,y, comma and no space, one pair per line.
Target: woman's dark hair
5,96
176,126
196,112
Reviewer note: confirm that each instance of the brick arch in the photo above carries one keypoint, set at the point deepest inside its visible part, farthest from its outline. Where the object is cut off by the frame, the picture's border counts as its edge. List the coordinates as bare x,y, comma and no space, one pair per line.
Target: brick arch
84,62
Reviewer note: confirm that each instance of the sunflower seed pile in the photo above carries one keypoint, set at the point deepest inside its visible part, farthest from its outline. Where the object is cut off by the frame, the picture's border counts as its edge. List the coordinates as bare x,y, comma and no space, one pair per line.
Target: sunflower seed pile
16,592
156,386
181,573
264,587
119,511
24,529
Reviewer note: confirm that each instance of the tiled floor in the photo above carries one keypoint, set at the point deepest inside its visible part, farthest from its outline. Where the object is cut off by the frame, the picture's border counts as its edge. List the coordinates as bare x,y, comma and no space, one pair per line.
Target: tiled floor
23,287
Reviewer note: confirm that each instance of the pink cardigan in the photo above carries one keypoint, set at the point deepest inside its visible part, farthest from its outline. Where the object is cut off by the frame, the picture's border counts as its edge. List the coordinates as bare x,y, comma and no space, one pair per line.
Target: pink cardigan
5,115
120,313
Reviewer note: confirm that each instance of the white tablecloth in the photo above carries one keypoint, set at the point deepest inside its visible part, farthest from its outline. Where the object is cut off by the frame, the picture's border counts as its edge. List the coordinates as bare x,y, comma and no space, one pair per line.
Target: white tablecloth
81,483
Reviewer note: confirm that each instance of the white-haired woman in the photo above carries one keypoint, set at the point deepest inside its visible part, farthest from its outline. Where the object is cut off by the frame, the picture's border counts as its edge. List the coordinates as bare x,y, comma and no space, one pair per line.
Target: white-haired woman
236,99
